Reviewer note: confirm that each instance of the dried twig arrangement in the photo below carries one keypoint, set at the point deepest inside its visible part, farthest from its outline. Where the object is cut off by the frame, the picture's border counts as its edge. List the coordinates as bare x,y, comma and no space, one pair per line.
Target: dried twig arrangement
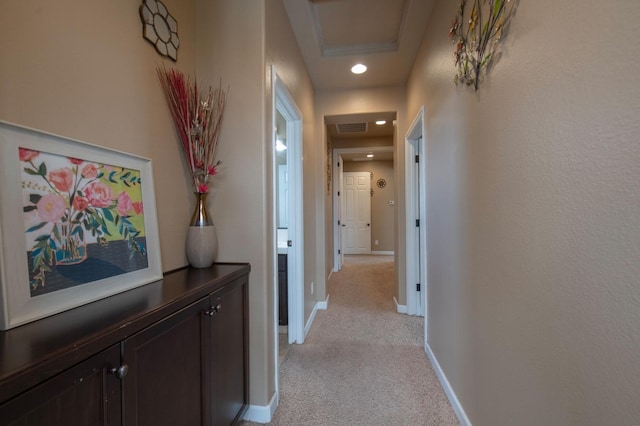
198,118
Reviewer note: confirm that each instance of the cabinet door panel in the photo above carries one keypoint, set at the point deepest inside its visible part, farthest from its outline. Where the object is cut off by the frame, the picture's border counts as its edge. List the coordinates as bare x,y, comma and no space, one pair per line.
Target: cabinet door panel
86,394
283,290
166,369
229,355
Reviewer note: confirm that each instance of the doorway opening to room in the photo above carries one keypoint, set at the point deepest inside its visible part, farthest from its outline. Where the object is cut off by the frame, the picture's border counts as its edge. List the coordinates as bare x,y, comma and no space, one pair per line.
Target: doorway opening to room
288,254
363,184
416,207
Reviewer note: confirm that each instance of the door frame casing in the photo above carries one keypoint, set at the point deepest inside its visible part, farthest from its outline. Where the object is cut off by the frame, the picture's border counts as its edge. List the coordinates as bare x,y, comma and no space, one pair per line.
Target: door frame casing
284,103
337,202
416,305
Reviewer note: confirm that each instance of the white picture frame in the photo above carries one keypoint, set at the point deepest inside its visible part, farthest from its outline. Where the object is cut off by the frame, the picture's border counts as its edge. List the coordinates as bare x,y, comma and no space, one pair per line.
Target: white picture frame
67,210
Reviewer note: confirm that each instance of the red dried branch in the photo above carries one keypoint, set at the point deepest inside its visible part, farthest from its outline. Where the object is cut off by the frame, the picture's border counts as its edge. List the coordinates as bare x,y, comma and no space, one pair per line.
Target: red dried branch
198,118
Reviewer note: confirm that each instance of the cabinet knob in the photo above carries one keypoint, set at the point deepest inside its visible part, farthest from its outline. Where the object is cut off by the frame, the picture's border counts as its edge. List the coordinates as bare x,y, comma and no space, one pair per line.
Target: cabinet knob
120,372
211,312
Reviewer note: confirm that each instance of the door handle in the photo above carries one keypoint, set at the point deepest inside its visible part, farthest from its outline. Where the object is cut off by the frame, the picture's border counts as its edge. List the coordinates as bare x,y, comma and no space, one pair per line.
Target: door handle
120,372
368,224
344,224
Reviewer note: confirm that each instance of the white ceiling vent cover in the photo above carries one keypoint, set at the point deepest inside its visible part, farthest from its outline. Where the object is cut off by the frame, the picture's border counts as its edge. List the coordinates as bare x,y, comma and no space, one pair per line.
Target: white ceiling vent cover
347,128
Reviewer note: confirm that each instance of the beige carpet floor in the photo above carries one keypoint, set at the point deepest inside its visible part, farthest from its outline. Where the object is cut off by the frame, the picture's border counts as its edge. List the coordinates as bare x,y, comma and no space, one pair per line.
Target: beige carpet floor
362,363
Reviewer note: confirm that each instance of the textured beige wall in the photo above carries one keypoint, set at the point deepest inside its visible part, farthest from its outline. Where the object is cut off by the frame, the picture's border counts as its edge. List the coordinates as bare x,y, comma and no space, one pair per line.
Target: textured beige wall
240,206
534,216
283,53
239,41
382,213
81,69
353,102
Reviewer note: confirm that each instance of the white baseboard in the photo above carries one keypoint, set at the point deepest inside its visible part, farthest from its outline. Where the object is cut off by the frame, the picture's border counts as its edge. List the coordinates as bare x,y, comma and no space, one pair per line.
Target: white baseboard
448,390
401,309
262,413
386,253
324,304
319,305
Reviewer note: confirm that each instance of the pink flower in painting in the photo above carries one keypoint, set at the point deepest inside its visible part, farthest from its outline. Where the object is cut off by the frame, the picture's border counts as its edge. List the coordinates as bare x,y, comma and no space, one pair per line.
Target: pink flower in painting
76,204
212,171
62,179
89,171
203,187
51,207
99,194
80,203
137,207
124,203
27,154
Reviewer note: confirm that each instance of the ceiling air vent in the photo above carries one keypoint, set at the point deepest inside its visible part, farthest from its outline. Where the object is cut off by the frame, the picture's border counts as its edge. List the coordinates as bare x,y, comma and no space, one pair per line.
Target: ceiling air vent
347,128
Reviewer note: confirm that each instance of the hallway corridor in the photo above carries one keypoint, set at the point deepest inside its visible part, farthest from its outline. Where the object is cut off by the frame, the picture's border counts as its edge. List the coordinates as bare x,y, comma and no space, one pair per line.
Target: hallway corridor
362,363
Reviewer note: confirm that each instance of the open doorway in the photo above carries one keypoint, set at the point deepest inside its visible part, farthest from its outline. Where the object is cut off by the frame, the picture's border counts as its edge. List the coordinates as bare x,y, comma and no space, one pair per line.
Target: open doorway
379,172
416,199
288,254
362,139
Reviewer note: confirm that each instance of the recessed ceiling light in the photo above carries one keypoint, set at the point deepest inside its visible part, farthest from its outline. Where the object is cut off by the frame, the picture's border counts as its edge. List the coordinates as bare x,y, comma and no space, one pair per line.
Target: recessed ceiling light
369,155
358,68
381,122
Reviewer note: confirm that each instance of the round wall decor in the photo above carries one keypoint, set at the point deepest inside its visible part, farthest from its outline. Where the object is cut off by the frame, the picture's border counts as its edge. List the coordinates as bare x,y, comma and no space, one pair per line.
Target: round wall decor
160,28
381,183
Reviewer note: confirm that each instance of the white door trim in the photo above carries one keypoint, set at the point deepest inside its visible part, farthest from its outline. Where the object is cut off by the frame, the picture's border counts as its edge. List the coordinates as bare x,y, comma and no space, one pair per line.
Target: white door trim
284,103
337,202
416,303
339,178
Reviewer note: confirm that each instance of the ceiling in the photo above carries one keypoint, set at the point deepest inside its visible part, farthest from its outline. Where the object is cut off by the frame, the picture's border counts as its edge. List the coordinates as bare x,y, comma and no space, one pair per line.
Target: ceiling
358,126
359,156
334,35
360,130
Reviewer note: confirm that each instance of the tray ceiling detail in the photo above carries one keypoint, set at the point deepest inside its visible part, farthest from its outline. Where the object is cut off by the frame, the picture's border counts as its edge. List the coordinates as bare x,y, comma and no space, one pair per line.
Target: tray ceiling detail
345,27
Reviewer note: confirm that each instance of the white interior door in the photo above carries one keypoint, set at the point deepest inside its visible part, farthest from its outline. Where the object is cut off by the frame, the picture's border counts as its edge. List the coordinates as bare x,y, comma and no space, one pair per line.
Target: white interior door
356,218
340,209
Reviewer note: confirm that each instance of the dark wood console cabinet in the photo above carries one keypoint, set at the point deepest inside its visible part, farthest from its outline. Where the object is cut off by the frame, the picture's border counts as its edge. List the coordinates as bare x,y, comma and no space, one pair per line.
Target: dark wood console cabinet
173,352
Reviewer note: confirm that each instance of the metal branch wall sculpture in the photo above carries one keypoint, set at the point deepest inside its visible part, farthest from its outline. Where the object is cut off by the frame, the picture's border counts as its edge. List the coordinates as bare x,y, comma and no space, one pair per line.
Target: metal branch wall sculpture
476,36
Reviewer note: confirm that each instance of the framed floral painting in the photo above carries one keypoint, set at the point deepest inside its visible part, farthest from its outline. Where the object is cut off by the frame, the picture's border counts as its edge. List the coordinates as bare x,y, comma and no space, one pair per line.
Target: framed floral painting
77,223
